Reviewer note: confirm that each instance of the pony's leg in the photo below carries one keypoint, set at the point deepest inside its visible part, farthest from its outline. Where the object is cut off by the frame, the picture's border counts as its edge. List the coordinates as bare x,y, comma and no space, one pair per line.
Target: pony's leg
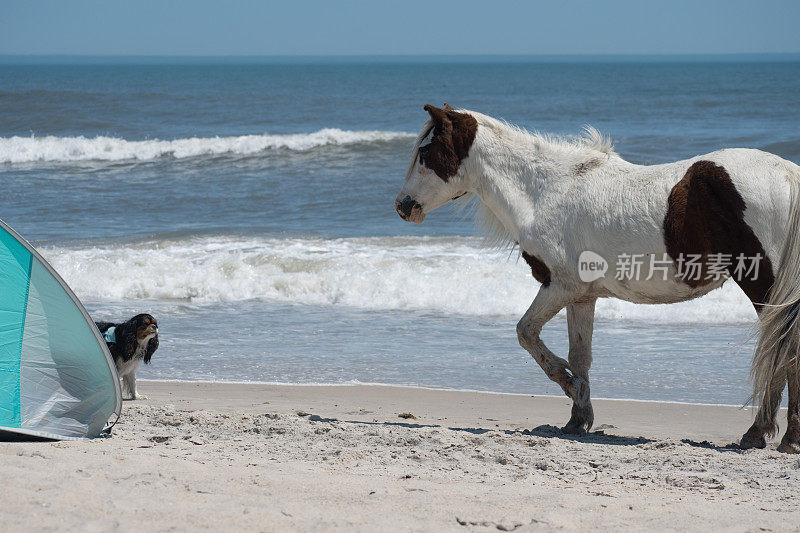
549,301
764,422
580,323
791,440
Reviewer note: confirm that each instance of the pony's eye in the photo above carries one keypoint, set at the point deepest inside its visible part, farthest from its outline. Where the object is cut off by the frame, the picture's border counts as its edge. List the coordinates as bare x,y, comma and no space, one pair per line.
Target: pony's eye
423,153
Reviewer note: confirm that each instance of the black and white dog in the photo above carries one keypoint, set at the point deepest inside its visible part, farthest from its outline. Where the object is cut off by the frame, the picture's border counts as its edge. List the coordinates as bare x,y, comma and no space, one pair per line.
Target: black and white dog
130,343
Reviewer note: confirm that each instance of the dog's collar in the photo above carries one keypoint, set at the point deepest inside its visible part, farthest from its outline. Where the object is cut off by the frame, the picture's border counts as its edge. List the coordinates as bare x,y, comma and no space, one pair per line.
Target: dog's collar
110,336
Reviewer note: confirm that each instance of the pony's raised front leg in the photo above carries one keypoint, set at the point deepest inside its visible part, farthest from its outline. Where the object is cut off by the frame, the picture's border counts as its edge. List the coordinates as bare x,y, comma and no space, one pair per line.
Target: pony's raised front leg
549,301
580,323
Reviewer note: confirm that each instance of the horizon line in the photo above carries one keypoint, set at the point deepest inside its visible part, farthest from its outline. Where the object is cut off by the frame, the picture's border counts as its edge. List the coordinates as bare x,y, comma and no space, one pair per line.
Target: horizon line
489,54
153,59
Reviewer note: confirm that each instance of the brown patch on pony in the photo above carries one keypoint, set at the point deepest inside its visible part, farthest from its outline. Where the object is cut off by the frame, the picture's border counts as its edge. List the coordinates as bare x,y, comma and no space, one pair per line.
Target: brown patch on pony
539,270
586,166
705,215
453,135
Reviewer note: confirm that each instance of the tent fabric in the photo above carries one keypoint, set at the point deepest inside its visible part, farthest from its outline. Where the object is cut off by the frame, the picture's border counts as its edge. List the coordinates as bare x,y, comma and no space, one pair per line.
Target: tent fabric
57,377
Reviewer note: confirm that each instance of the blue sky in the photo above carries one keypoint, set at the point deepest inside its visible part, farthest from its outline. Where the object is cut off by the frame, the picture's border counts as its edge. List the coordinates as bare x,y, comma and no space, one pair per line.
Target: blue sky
206,27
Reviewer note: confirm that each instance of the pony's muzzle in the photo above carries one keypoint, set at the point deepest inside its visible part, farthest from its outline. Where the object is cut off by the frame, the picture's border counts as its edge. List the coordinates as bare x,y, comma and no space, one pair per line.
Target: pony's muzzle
409,210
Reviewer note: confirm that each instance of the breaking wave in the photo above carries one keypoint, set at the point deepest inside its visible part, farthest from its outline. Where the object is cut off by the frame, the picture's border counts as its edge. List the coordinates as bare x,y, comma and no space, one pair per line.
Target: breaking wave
69,149
450,275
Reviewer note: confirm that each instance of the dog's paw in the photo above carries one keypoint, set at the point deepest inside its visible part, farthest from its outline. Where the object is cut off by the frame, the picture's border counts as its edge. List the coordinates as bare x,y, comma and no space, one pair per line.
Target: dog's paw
138,396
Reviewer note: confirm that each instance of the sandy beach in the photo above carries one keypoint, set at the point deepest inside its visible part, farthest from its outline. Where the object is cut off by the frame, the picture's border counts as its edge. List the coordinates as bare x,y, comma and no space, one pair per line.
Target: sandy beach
398,205
273,457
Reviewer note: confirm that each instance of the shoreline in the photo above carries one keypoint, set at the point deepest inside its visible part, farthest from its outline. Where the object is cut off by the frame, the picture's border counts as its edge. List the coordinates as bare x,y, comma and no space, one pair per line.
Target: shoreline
277,457
427,387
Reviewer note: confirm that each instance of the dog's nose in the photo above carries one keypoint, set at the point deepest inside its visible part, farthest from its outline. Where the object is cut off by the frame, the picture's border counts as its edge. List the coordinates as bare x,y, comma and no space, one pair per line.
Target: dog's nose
405,206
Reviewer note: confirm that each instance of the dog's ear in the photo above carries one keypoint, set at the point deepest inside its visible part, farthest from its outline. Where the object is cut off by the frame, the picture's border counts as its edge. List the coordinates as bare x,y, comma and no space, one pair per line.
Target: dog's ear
152,346
126,338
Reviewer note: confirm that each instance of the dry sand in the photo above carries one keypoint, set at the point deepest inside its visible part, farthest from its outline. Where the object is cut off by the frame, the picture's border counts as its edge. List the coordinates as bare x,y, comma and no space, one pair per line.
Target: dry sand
275,458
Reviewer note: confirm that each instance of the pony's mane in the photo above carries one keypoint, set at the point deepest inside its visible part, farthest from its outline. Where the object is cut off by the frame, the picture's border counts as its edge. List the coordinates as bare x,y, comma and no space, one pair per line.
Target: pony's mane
590,143
490,228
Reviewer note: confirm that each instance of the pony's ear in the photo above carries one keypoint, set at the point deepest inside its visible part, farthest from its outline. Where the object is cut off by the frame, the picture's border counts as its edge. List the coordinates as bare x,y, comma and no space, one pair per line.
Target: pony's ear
439,117
447,107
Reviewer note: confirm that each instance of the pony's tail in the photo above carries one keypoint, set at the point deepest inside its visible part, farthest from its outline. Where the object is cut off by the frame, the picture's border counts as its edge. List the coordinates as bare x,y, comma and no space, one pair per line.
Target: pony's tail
779,325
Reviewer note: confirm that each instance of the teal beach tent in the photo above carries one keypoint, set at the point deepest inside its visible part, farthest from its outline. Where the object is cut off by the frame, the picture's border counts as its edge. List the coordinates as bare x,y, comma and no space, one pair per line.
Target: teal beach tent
57,378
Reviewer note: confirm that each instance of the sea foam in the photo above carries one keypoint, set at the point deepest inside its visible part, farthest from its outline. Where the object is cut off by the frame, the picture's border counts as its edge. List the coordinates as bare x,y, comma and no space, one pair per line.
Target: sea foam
66,149
444,275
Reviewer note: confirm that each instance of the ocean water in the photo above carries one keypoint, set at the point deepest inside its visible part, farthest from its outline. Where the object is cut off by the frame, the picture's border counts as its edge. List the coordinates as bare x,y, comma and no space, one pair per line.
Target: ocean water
249,206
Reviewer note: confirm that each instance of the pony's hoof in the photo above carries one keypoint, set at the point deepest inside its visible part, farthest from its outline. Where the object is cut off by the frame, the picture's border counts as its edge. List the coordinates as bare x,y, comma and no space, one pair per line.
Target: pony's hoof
574,428
581,420
749,441
582,415
787,446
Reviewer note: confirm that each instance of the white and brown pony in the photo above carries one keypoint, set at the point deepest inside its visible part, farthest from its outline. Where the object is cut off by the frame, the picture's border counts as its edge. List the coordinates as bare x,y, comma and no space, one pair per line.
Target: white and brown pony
558,199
